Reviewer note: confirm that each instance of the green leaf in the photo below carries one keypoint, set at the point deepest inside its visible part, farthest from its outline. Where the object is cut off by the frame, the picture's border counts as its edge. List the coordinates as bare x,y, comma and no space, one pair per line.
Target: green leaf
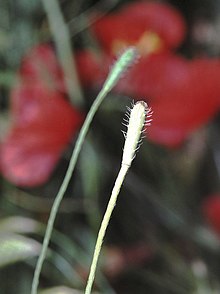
14,248
19,224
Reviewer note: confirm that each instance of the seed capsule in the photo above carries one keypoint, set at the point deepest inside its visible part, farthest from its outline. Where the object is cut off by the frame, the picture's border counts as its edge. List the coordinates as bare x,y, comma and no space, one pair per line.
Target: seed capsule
138,118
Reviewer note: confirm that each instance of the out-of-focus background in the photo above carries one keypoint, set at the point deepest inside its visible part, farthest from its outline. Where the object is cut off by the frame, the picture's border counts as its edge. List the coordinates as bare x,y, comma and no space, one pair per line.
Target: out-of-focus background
164,235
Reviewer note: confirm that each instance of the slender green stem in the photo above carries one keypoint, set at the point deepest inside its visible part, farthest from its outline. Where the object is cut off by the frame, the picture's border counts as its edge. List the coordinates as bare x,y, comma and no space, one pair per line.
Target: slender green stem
63,188
65,52
137,119
124,60
90,16
104,224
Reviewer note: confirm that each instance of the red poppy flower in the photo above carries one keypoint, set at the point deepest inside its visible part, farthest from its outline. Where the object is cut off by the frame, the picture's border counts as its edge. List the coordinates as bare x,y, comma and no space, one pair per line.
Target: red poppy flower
43,123
149,26
184,94
211,211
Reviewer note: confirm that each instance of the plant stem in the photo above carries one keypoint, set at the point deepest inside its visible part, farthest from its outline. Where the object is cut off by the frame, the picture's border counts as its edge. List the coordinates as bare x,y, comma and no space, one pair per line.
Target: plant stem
63,188
137,119
90,16
65,52
104,224
124,60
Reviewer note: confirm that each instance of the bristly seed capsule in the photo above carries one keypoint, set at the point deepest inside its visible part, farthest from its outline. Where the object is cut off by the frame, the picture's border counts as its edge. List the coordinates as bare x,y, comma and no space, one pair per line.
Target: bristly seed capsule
139,117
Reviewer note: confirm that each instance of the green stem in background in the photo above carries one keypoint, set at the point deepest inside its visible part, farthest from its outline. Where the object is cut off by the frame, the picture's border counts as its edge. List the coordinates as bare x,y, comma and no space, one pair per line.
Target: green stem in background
90,16
119,67
137,120
65,52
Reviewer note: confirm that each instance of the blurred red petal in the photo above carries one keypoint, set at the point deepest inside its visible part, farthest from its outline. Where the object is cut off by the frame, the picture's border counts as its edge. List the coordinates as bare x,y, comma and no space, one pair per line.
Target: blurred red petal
162,19
91,68
38,106
184,94
184,102
134,20
169,136
23,162
153,74
40,65
44,123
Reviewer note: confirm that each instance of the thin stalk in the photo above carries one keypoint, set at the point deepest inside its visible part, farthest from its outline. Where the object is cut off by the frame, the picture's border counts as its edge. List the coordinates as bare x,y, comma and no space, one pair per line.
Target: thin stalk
104,224
137,120
65,52
63,188
124,60
88,17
